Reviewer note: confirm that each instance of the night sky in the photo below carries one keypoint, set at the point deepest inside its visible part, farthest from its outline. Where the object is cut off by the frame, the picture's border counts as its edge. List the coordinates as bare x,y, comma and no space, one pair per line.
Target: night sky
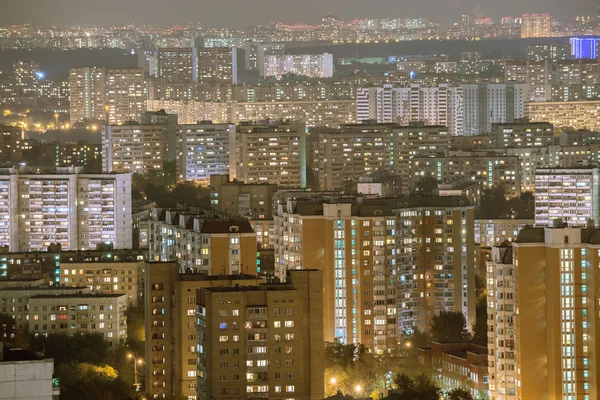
237,13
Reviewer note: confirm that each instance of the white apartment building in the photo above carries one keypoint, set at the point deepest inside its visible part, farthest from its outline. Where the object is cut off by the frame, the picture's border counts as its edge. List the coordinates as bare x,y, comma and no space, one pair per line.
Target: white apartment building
26,377
485,104
272,153
100,93
570,194
493,232
66,207
501,285
104,314
311,65
538,76
440,105
133,147
205,149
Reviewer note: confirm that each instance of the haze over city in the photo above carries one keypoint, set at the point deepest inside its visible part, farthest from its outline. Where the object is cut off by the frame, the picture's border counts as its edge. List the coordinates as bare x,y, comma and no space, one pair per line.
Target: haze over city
237,13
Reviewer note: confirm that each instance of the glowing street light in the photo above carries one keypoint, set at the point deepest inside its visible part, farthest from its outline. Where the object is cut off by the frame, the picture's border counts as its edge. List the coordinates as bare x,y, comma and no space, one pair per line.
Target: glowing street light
136,361
333,381
358,388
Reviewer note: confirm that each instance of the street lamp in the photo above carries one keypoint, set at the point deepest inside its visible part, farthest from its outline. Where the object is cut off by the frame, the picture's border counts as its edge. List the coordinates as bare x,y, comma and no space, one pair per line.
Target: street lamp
56,121
136,361
358,389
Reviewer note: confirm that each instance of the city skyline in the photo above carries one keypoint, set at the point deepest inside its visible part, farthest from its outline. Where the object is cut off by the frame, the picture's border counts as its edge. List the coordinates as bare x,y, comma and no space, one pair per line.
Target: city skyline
263,12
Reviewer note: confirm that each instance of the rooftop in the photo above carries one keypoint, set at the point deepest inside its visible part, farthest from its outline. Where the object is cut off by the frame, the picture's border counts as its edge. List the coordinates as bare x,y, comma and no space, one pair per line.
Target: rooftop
80,296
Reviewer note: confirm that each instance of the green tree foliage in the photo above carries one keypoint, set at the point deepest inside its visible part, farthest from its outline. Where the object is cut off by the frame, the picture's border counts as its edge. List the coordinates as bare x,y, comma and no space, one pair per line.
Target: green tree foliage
91,382
420,387
496,204
135,329
449,327
156,187
64,348
460,394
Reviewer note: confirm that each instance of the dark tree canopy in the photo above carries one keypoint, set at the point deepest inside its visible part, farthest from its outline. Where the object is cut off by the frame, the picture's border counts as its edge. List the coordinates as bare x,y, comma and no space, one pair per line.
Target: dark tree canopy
496,204
421,387
460,394
449,327
425,185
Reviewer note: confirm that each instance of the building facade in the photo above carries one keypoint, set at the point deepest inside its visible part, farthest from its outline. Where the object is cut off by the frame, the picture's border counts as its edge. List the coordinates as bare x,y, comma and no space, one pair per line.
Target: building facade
253,201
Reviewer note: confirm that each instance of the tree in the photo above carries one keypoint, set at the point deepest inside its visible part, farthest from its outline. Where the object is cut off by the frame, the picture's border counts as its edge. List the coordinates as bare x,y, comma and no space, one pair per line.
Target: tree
64,348
426,185
449,327
459,394
421,387
8,327
339,354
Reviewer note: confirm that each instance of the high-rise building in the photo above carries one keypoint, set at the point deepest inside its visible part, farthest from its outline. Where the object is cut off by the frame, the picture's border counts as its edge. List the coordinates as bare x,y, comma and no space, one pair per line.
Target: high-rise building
171,327
68,314
396,262
201,244
536,26
567,194
11,138
537,75
584,47
440,105
113,94
66,207
205,149
87,96
485,104
310,65
133,147
217,65
271,152
264,341
577,72
125,94
27,75
176,64
555,313
493,232
501,313
253,201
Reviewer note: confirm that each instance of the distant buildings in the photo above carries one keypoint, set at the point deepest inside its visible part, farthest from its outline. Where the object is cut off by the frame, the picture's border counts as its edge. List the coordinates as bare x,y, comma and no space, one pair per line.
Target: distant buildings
254,201
584,47
536,26
309,65
11,140
572,114
537,75
493,232
133,148
523,134
176,64
263,341
65,207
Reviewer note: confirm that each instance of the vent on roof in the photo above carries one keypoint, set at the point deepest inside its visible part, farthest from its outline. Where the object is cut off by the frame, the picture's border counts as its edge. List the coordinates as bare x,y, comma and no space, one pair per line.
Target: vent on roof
461,203
378,212
234,229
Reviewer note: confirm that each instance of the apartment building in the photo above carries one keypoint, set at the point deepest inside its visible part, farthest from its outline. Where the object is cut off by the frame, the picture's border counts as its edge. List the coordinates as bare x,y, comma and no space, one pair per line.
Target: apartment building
134,148
113,94
63,206
537,75
439,105
171,327
501,286
15,299
176,64
217,65
107,277
11,140
104,314
485,104
563,114
310,65
524,134
205,149
403,239
493,232
279,353
568,194
323,112
555,275
489,171
536,26
231,197
272,152
202,243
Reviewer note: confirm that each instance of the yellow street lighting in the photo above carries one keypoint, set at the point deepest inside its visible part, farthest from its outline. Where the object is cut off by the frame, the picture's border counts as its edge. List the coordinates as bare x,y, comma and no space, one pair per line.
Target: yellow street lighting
358,388
333,381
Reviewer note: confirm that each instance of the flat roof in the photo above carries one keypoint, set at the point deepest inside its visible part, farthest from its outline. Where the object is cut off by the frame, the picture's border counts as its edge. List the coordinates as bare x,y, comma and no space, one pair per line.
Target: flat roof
80,296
